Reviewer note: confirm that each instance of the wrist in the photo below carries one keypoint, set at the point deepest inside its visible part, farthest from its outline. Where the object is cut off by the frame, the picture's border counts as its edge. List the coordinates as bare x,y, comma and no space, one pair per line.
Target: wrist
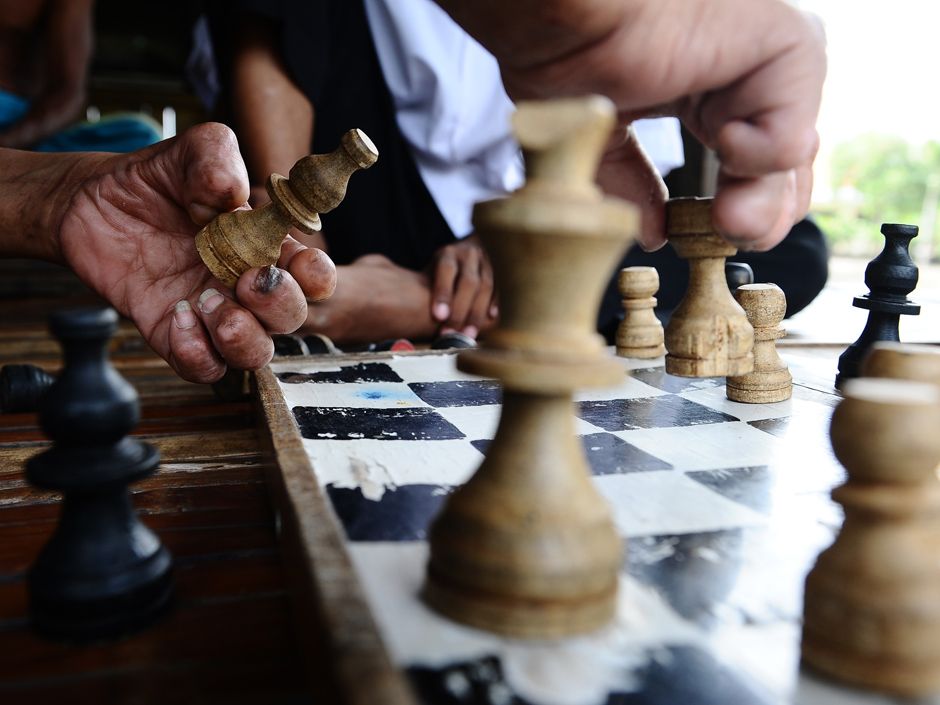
38,190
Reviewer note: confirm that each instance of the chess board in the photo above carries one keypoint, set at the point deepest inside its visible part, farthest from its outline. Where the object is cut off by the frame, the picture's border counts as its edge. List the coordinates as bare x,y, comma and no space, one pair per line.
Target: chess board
723,508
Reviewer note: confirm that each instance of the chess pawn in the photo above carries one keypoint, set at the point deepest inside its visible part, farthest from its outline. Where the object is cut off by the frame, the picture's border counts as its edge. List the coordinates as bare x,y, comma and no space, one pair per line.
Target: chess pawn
890,277
235,242
102,573
527,547
770,381
871,615
640,334
708,335
918,363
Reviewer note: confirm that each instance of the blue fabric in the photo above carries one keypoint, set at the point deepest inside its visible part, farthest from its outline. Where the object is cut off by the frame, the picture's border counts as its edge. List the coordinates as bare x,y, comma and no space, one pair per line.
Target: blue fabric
115,133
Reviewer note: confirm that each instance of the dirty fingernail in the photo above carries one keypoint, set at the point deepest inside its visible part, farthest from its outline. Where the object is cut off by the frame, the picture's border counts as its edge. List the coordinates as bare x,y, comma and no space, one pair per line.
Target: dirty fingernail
183,315
441,311
210,300
267,279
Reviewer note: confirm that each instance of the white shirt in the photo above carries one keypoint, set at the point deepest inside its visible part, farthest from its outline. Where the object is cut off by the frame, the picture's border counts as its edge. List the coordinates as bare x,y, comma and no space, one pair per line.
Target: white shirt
453,111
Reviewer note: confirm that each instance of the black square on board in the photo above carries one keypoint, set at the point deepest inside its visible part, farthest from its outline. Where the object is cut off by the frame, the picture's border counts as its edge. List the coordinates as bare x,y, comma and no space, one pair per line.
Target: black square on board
352,423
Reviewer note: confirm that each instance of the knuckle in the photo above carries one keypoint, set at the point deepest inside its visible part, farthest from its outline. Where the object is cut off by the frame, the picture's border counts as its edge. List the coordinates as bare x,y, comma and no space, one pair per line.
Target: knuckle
234,328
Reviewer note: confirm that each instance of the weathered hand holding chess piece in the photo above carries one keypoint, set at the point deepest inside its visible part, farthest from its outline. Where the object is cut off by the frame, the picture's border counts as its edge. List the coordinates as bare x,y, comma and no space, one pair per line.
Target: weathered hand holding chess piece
708,335
235,242
917,363
871,614
528,547
890,277
102,573
640,334
770,381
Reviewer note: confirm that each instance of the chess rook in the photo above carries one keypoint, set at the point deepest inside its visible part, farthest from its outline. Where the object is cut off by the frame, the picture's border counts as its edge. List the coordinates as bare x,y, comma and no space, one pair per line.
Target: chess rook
917,363
770,381
527,547
708,335
871,615
102,573
235,242
640,334
890,277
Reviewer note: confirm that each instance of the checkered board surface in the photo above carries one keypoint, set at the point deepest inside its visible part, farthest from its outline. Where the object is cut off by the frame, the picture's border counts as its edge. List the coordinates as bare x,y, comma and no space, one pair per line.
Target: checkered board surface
723,508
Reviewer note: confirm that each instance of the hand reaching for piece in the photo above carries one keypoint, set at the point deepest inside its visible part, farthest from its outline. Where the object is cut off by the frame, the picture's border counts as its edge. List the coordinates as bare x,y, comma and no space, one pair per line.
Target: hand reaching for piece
463,297
127,229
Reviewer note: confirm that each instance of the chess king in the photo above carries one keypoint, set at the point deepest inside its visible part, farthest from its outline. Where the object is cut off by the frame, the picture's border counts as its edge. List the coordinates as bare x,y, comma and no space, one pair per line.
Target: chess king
528,547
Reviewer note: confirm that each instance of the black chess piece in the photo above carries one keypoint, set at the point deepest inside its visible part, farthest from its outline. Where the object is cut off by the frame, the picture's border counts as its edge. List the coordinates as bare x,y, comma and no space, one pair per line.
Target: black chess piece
890,277
103,573
454,339
738,274
21,387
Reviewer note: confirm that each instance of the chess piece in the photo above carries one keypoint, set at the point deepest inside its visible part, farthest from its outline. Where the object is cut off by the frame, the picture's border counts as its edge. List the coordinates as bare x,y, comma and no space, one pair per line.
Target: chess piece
235,242
918,363
640,334
527,546
871,615
289,345
21,387
890,277
738,274
708,335
770,381
102,573
454,339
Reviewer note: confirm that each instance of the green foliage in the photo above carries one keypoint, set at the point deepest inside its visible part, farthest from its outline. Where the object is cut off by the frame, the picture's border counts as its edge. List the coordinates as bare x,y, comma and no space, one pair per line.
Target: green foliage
877,179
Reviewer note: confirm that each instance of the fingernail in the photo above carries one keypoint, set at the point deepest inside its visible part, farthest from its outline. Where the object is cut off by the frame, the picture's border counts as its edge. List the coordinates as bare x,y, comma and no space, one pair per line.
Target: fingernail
183,315
210,300
494,311
267,279
441,311
471,331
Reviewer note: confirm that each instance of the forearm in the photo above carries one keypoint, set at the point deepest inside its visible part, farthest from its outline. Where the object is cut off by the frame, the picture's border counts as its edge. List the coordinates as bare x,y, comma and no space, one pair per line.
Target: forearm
274,119
37,189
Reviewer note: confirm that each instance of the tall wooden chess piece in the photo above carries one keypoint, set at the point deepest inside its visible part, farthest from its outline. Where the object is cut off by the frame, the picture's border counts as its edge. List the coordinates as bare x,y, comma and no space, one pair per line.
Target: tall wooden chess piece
871,615
527,547
890,277
235,242
103,573
709,334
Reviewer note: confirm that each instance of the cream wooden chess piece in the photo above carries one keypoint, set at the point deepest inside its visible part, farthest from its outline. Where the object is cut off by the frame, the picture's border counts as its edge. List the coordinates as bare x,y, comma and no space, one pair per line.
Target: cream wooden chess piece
770,381
527,546
918,363
708,334
871,613
233,243
640,334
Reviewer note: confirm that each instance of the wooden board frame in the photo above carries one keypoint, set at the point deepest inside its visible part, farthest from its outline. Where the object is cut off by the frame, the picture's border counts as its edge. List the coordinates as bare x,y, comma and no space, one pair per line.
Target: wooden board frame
343,651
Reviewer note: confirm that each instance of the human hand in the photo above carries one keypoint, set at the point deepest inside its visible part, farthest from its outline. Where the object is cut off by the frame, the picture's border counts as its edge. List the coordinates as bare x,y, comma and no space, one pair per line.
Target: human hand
128,231
462,293
375,299
745,77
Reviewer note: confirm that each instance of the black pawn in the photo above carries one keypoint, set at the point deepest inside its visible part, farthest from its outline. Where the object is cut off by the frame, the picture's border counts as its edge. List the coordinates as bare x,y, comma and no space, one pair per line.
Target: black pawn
890,277
21,387
738,274
103,573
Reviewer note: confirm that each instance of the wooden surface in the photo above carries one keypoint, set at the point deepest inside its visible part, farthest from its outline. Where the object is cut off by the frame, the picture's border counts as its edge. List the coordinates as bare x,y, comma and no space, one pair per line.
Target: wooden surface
232,636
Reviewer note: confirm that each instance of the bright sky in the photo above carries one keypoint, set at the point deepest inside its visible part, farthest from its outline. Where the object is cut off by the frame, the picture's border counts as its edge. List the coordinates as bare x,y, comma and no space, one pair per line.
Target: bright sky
883,57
